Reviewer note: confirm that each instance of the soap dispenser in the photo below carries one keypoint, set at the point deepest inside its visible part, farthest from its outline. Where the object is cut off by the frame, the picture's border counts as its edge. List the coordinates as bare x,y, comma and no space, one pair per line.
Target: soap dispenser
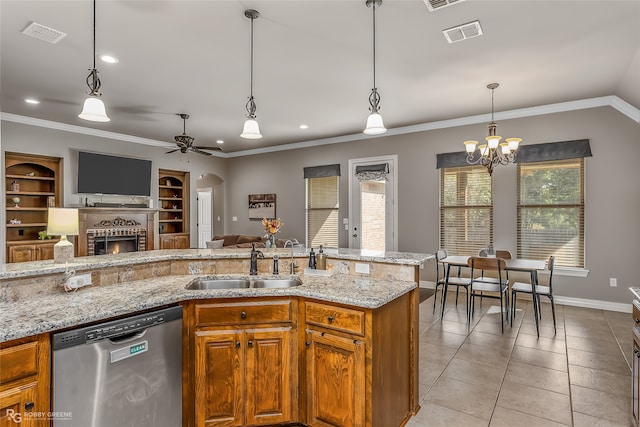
321,259
312,259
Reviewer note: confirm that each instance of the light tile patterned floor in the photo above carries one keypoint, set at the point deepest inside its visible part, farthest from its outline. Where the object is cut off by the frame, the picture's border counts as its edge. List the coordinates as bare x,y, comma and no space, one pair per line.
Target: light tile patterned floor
476,376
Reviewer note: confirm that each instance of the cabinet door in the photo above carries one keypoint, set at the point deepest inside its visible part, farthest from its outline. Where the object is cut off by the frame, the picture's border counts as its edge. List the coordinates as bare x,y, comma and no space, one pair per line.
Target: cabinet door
219,367
182,242
335,381
21,253
15,402
636,382
167,242
44,251
269,357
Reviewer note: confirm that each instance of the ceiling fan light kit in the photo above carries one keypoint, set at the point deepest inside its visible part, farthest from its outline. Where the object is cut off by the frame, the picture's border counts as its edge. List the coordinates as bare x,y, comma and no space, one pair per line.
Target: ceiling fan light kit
251,130
93,109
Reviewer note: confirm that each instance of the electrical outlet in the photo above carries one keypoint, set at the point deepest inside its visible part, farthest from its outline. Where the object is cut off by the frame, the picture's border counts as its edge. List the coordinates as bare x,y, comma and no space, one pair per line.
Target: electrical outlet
613,281
79,280
362,268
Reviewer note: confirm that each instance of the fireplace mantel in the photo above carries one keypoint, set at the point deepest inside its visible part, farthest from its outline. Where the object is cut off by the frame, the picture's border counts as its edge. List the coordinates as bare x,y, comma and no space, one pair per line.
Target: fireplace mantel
91,218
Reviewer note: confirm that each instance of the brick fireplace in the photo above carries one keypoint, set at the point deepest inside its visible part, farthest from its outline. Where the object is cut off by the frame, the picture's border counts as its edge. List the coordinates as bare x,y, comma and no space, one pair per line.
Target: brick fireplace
115,230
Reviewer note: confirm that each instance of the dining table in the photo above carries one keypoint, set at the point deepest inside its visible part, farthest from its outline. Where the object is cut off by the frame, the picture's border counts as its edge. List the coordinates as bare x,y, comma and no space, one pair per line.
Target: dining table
530,266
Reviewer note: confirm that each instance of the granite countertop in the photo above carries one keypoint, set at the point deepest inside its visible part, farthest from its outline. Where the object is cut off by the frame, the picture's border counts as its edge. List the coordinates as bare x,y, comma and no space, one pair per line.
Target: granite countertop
41,268
48,313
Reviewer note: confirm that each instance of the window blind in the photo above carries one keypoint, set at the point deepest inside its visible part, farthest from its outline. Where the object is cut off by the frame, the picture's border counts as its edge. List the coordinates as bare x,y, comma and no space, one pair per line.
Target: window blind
551,211
466,209
322,211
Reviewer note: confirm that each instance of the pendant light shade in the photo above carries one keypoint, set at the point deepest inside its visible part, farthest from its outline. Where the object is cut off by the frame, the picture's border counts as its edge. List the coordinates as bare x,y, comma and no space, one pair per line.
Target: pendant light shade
375,126
251,129
93,109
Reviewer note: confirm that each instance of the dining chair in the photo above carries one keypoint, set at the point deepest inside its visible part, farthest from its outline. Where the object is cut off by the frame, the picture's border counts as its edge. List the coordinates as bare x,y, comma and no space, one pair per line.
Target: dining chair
459,282
440,274
540,290
479,287
499,254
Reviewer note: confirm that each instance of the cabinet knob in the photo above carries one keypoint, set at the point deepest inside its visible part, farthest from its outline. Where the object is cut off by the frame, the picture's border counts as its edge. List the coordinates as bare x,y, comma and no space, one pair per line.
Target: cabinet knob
637,321
29,406
636,352
237,344
250,344
330,319
243,315
307,343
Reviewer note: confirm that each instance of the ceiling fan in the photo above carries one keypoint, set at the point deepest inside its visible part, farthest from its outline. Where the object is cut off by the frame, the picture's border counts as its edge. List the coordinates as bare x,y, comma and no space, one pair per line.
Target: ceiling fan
185,142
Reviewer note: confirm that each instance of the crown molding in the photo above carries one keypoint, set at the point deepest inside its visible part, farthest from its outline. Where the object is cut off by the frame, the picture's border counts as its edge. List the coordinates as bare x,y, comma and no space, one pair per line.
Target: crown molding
606,101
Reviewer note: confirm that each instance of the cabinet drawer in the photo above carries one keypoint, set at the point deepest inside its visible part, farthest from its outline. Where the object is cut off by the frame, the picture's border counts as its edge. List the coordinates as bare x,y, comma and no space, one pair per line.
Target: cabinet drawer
18,361
337,318
243,313
636,312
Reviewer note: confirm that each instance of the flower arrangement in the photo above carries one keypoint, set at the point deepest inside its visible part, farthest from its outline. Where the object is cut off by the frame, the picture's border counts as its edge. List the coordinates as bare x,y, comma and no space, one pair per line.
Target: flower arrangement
271,226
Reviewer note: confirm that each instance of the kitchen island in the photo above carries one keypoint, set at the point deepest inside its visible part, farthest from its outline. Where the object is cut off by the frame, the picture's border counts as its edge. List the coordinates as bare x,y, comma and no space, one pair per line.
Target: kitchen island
375,314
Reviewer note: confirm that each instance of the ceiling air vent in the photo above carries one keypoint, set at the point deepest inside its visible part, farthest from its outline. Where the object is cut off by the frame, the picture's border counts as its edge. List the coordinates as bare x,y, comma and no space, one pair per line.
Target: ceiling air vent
433,5
41,32
463,32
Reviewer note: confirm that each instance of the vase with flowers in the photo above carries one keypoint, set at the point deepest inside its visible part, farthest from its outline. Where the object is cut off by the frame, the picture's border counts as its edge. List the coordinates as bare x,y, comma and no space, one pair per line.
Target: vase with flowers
271,227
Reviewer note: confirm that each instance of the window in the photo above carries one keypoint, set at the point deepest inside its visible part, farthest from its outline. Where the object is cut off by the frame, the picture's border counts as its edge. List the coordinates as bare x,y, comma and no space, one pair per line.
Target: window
466,209
322,211
551,211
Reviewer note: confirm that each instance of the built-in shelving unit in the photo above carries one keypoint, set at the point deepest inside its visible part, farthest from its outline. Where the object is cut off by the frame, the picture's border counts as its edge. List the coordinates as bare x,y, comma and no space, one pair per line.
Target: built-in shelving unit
173,214
33,183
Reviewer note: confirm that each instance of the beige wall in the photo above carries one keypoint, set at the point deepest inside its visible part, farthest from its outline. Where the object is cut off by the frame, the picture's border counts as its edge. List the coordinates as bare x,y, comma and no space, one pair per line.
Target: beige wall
612,185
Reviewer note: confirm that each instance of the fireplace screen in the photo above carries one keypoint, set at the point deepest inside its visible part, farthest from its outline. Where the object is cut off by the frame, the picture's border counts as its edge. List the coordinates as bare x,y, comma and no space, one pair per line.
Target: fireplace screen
115,244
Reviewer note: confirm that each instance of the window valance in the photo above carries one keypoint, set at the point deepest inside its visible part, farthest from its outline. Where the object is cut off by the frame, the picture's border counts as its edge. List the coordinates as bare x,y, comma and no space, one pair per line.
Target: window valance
372,172
322,171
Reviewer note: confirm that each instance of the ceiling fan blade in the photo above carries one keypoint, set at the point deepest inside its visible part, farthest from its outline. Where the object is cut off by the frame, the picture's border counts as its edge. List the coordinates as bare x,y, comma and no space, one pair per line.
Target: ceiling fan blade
196,150
172,151
201,147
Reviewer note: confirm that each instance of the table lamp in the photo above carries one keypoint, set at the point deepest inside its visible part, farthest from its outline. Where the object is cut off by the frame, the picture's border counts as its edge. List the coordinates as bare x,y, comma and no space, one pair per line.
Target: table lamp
62,222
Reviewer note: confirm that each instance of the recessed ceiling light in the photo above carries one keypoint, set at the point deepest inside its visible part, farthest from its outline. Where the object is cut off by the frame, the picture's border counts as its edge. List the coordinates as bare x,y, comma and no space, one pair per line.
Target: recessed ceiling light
220,141
109,59
31,101
304,126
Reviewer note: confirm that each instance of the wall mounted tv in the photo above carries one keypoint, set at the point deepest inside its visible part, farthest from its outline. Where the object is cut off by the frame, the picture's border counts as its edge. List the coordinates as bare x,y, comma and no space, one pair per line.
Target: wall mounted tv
105,174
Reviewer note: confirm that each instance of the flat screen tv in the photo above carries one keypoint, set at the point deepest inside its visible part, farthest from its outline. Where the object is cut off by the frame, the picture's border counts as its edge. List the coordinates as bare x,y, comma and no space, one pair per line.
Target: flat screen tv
105,174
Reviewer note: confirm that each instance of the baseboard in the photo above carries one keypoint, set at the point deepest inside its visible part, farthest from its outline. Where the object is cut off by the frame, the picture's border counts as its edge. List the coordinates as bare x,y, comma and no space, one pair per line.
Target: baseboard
427,284
592,303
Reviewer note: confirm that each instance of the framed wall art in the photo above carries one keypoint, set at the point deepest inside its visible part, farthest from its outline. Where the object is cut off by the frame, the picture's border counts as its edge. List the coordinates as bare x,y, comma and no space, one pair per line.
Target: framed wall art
262,206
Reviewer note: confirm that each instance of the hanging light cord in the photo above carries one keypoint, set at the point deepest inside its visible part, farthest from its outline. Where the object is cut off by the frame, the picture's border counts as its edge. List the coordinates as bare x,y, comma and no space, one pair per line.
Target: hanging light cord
92,79
251,104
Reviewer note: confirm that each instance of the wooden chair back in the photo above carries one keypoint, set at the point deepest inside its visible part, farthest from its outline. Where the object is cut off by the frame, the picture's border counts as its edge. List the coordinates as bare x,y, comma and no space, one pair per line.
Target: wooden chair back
503,254
488,264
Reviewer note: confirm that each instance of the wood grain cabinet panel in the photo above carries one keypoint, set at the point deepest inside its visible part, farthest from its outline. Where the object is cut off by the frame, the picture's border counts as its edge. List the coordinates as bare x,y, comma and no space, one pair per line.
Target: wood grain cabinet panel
334,317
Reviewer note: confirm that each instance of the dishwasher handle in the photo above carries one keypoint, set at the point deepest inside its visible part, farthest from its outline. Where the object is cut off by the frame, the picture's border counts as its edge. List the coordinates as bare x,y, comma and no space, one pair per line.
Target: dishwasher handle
131,336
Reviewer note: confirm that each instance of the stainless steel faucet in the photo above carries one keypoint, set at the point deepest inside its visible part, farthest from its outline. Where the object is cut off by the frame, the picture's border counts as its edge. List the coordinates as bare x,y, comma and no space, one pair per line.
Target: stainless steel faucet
255,254
292,265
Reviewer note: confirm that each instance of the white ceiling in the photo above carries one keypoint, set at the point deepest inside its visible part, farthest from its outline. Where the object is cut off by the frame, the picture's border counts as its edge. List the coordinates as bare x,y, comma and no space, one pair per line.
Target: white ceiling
313,63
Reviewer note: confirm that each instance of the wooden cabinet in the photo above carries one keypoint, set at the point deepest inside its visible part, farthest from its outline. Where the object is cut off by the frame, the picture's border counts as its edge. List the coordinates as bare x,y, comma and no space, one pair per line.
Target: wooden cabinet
33,183
24,382
173,213
175,241
361,364
244,364
30,251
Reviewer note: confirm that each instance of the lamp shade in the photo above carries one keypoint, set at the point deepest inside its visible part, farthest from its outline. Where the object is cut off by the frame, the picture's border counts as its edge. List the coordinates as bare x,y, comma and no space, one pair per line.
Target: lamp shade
251,130
93,110
375,125
62,222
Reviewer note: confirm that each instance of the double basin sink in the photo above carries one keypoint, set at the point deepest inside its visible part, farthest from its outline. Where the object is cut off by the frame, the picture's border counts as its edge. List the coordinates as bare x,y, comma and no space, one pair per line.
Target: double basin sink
213,283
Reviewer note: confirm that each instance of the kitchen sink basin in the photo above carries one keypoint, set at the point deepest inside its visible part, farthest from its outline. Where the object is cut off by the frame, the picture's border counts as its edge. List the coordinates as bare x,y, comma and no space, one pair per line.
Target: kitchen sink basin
208,284
276,283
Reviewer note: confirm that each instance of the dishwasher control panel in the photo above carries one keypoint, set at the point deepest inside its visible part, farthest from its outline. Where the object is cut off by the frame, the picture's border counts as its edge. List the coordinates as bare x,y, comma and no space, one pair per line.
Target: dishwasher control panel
124,327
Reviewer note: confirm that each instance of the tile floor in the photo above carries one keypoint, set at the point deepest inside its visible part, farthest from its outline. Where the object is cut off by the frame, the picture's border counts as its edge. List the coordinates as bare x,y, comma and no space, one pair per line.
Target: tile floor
476,376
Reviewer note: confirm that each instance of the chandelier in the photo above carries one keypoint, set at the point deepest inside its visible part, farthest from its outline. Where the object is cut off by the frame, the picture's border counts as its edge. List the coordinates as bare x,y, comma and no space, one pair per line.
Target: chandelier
375,126
251,130
494,152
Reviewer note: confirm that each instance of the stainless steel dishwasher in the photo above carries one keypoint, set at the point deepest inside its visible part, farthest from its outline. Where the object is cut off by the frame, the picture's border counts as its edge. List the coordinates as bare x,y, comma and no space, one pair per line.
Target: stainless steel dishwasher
125,372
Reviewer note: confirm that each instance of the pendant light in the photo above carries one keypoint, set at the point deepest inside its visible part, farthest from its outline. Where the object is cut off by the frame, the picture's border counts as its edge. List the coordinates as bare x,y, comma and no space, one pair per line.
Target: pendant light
251,129
93,109
374,122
